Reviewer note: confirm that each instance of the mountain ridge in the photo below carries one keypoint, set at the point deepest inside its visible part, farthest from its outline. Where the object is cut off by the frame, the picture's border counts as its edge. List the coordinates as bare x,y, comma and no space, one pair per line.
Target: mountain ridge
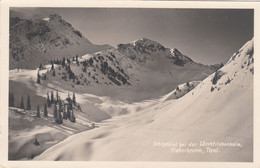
144,67
35,41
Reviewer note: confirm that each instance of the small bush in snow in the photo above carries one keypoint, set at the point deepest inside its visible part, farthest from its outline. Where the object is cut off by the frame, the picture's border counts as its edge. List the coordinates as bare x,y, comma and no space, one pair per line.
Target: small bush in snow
228,81
93,125
36,142
188,84
212,89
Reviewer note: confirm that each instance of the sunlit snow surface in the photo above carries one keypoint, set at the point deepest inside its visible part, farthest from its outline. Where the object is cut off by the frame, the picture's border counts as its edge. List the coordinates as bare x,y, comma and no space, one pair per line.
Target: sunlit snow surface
224,115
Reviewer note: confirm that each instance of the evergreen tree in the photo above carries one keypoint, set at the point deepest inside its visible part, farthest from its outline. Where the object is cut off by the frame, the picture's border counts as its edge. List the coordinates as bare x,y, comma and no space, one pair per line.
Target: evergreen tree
28,103
57,96
68,99
77,60
48,100
63,62
22,104
70,105
71,74
68,60
38,81
64,113
60,106
52,97
59,116
68,112
52,66
74,98
72,117
38,78
38,112
55,111
11,99
40,67
45,111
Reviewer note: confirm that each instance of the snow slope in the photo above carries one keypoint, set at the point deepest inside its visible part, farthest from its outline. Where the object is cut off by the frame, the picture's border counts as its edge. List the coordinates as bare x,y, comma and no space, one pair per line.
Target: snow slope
223,115
24,127
180,90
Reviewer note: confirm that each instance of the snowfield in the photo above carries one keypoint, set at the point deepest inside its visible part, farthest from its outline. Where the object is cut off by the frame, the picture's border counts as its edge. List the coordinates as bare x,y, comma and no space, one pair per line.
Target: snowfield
25,127
212,122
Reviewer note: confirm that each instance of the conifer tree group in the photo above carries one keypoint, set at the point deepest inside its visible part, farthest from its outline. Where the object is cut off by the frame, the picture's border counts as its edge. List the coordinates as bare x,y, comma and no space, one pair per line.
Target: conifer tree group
22,106
28,105
61,110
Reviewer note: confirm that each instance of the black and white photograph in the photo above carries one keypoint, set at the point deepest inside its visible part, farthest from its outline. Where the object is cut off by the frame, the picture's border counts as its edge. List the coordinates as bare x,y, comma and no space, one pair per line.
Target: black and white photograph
130,84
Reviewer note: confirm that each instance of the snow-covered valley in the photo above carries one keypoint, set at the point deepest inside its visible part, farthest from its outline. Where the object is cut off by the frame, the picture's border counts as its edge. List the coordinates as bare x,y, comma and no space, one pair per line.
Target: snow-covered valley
174,127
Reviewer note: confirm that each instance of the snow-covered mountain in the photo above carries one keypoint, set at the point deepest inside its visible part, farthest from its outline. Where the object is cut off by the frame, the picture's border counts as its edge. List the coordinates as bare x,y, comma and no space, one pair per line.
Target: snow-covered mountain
219,110
37,41
144,50
140,68
133,71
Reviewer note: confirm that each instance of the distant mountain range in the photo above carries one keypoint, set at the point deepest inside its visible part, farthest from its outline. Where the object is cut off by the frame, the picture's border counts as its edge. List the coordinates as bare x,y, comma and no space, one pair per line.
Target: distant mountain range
146,67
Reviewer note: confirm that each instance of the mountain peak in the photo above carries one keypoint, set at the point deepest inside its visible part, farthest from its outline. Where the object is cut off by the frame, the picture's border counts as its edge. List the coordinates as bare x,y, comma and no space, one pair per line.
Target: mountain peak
145,49
36,40
55,16
145,42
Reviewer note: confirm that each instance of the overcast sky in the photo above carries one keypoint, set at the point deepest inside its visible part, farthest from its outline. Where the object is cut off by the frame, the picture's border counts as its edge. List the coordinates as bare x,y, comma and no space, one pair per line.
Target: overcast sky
206,35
